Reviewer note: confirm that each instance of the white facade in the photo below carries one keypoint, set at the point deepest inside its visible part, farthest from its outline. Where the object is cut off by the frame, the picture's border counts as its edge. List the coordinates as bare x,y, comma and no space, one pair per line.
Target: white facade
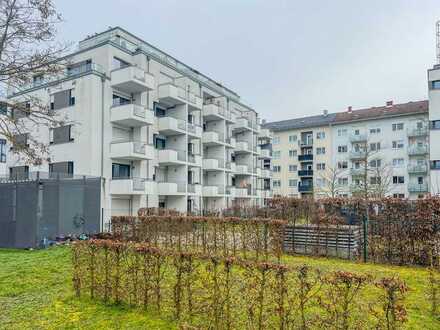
158,132
434,119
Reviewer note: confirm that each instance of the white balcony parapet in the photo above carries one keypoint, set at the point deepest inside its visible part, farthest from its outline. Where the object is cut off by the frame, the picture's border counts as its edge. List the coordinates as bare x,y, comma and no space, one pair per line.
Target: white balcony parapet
418,131
171,126
171,94
215,111
213,190
132,79
415,150
172,188
265,173
242,146
265,133
172,157
195,160
242,170
132,150
127,186
245,124
131,115
213,164
194,188
230,142
212,138
194,130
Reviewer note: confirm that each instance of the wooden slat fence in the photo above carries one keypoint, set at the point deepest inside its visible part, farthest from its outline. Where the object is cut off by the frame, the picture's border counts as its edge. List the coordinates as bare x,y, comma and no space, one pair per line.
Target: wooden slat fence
343,241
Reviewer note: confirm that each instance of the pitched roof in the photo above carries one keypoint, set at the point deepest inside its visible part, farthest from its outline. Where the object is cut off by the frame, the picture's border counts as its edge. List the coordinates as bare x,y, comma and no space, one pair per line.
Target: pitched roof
410,108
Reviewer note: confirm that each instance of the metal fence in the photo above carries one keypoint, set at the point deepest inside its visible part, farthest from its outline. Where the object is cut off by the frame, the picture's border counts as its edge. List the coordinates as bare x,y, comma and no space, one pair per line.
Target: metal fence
43,207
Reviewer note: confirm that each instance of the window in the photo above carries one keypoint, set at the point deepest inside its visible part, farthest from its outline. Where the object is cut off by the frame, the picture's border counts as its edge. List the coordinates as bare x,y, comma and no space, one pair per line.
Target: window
276,154
398,179
342,149
293,153
342,132
320,135
343,181
120,171
63,169
375,146
119,64
276,183
61,134
320,151
293,183
397,162
375,163
20,141
398,144
19,172
120,100
435,84
276,140
320,166
343,164
292,138
62,99
293,168
435,124
277,168
357,132
375,180
320,182
397,127
2,151
435,164
3,108
375,131
398,195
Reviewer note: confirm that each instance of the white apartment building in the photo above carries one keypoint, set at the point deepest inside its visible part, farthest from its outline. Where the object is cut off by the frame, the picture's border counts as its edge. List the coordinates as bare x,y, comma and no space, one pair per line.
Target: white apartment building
312,153
434,133
157,132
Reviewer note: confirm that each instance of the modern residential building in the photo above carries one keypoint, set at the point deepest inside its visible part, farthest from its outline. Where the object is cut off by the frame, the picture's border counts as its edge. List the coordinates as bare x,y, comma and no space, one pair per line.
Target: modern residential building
434,132
157,132
330,153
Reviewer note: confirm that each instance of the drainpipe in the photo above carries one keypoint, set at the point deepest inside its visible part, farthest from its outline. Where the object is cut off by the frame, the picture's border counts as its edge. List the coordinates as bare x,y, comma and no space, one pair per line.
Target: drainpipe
102,146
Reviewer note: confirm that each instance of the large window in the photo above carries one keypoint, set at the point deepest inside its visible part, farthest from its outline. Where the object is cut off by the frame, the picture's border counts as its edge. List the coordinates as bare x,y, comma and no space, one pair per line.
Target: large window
399,144
292,138
293,183
435,124
2,151
276,140
62,99
276,183
397,127
120,171
292,153
293,168
435,84
63,169
398,179
320,151
277,168
342,149
61,134
276,154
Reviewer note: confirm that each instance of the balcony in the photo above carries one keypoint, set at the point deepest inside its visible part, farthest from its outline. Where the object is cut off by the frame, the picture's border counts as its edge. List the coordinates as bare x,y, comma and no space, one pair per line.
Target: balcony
194,189
356,138
194,130
230,142
417,168
171,126
305,173
194,160
131,115
172,188
213,111
357,171
307,143
242,147
131,79
195,102
265,133
305,188
357,154
213,191
230,167
212,164
127,186
243,124
171,94
212,138
265,173
242,170
418,188
243,192
265,154
416,150
172,157
305,158
131,150
417,131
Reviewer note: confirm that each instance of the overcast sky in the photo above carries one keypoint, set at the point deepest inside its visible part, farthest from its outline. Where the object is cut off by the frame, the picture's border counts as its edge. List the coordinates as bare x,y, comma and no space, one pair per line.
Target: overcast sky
285,58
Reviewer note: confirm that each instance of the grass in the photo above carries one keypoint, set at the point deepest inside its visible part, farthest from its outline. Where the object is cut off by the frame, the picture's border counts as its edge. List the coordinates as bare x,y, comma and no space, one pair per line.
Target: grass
36,293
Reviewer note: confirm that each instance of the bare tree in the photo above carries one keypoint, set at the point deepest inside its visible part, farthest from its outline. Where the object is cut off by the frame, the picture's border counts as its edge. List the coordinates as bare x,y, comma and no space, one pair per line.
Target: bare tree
330,181
29,53
373,178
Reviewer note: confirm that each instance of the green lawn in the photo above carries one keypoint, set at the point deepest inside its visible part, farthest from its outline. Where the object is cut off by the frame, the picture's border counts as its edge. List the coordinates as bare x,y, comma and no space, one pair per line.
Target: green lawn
36,293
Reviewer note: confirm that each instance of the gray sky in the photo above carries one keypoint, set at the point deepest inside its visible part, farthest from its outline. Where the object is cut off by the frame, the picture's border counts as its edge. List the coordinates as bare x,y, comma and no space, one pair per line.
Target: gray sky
285,58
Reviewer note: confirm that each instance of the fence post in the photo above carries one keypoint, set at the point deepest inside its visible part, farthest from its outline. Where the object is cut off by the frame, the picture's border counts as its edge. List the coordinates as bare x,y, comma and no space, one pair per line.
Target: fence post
365,230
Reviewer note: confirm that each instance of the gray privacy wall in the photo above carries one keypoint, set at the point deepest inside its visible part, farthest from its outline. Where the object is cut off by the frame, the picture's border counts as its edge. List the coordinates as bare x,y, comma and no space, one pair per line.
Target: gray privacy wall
38,208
